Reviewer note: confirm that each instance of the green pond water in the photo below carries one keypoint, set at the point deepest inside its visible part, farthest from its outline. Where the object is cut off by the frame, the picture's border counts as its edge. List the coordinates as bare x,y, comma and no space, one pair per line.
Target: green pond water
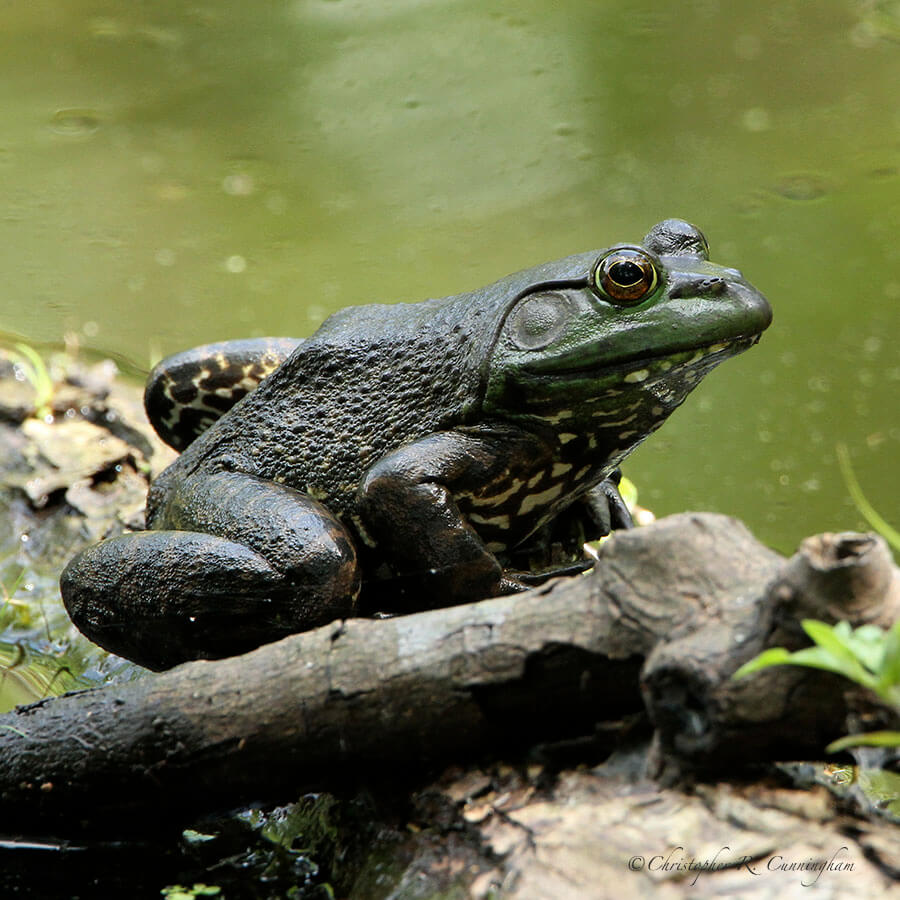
177,173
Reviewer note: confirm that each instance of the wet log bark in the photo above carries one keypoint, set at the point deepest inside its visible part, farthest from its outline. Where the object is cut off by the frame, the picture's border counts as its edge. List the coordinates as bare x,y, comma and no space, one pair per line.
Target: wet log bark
668,615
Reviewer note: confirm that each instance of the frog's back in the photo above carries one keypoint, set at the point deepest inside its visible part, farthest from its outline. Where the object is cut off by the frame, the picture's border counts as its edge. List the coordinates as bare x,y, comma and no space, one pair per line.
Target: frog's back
370,379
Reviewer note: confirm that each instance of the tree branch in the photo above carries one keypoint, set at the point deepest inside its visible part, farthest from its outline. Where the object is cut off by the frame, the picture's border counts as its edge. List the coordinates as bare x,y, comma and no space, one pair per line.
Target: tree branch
670,612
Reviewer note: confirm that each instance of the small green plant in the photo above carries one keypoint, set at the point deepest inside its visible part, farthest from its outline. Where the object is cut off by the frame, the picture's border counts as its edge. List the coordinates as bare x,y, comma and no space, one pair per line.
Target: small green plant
867,511
13,611
33,367
868,655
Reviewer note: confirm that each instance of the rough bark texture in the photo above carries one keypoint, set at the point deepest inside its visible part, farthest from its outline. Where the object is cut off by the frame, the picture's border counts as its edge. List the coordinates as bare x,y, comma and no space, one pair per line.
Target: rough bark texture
675,607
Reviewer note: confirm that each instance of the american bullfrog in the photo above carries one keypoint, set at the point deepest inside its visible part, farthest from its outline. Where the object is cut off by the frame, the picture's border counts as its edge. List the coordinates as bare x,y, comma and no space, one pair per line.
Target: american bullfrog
407,456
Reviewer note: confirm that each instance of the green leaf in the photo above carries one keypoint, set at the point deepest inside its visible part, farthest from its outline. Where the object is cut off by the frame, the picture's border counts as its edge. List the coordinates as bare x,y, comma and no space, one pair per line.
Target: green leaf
179,892
36,372
831,637
889,672
774,656
869,739
867,644
822,658
835,642
197,837
811,658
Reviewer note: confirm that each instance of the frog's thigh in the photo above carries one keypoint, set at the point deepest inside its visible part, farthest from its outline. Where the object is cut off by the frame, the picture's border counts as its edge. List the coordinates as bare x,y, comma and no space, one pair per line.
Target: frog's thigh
163,597
187,392
298,536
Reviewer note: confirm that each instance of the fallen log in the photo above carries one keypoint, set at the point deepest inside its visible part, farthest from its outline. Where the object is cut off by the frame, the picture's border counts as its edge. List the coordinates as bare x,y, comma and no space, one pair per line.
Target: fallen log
668,615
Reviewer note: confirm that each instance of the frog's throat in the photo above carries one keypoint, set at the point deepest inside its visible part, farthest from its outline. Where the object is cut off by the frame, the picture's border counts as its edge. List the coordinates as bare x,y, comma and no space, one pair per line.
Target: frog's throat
670,377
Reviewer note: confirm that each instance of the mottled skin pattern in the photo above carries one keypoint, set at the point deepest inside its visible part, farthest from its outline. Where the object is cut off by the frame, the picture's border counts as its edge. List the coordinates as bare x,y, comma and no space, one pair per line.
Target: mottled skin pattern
422,453
198,386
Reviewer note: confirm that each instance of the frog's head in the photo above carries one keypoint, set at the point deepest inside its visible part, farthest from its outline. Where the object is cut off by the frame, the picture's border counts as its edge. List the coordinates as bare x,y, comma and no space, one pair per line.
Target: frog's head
618,338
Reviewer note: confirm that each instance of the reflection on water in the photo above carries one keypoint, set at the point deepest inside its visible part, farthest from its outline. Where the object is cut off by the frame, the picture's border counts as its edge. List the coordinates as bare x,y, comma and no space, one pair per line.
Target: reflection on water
182,173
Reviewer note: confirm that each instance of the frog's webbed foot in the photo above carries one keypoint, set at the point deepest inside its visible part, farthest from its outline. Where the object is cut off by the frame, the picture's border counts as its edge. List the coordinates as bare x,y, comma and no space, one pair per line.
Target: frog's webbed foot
241,562
516,581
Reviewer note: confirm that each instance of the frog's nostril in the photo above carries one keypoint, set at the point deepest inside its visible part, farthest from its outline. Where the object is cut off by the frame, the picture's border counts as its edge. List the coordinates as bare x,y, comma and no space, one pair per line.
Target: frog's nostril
712,286
699,287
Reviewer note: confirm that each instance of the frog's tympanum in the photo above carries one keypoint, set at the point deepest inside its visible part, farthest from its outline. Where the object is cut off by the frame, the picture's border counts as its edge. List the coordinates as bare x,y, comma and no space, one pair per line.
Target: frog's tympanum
407,456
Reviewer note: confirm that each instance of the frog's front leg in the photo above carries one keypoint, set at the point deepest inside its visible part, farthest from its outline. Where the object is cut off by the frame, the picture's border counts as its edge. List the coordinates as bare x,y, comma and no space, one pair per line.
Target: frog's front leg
558,547
236,562
410,505
606,508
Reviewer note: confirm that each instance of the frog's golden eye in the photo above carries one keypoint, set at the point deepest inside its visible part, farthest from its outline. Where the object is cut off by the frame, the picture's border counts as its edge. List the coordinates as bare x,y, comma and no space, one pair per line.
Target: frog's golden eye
626,277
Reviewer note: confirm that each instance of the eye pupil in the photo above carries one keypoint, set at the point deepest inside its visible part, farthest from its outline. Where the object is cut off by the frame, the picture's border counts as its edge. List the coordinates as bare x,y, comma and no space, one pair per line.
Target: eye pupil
626,273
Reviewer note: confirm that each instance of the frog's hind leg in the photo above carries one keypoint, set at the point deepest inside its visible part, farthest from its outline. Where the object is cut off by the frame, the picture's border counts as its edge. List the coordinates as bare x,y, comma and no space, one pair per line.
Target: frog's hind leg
187,392
239,562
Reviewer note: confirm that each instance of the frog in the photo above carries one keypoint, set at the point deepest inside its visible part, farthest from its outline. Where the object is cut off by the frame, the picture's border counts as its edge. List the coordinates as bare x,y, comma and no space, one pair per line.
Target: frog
407,456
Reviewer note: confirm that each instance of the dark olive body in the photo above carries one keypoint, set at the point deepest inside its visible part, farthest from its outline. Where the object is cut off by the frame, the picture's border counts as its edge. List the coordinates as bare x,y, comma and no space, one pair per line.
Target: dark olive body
407,456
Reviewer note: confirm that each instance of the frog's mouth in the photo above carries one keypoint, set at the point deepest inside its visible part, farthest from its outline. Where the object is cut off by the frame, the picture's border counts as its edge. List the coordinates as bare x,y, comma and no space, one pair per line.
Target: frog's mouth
639,368
705,357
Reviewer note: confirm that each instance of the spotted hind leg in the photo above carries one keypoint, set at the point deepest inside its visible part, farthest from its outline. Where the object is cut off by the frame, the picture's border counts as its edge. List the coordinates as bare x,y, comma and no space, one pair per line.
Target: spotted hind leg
187,392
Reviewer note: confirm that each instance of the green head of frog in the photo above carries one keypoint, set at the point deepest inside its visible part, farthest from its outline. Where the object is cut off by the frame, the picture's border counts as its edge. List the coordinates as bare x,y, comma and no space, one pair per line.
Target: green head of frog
613,350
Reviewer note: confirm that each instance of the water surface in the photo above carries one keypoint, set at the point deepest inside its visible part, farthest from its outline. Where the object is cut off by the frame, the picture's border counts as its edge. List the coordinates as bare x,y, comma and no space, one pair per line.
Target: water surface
181,173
